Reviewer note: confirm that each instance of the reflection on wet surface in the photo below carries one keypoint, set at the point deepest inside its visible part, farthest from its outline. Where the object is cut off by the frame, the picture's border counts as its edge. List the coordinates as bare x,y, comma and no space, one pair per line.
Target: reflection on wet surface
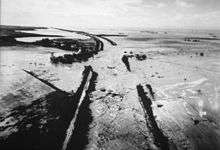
52,31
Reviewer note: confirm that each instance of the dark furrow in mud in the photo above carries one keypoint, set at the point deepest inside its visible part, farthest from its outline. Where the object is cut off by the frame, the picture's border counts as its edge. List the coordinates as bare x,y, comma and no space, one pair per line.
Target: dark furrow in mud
75,31
79,138
44,81
115,35
86,73
100,44
160,140
42,125
84,55
80,97
150,90
107,39
125,60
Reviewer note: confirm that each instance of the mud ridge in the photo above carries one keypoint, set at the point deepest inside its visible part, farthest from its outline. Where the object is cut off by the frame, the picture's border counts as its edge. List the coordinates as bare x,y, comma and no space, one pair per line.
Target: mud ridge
85,73
160,140
79,138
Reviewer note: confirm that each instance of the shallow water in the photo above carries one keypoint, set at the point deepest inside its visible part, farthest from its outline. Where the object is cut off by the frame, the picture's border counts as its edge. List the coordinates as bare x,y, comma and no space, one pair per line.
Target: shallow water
34,39
52,31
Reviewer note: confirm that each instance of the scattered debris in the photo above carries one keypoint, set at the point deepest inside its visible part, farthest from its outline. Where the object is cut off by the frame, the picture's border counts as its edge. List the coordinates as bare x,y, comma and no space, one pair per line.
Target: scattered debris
70,58
140,57
192,40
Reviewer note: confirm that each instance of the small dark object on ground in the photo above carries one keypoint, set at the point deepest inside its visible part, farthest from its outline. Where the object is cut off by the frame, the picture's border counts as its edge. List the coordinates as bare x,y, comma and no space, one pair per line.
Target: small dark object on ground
109,67
201,54
126,62
159,105
70,58
160,76
140,57
196,122
103,89
199,91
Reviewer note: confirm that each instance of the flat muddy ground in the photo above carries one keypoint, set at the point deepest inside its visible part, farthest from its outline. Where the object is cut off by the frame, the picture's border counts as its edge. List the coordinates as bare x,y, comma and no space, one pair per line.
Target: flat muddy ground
156,89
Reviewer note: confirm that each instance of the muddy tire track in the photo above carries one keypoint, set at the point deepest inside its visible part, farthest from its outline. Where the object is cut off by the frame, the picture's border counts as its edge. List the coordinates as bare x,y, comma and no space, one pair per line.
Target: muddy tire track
145,99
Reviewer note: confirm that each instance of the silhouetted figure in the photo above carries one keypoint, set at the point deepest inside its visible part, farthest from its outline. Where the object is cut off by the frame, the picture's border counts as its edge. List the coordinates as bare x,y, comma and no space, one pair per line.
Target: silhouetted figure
126,62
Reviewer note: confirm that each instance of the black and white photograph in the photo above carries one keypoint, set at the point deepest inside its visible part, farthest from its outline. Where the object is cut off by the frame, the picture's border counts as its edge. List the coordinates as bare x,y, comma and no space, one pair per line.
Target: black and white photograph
109,75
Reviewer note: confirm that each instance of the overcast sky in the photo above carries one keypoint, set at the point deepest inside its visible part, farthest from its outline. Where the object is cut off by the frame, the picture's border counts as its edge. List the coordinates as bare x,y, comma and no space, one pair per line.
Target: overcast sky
114,13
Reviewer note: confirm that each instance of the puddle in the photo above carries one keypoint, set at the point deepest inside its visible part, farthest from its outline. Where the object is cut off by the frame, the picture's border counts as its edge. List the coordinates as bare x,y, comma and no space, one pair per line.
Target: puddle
52,31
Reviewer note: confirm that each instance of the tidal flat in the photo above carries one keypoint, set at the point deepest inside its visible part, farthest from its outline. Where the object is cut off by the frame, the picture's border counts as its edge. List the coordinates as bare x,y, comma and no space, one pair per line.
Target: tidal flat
71,89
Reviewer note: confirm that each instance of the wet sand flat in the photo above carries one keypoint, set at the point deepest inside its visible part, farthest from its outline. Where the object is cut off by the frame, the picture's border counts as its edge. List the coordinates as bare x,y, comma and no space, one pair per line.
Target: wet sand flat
180,79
